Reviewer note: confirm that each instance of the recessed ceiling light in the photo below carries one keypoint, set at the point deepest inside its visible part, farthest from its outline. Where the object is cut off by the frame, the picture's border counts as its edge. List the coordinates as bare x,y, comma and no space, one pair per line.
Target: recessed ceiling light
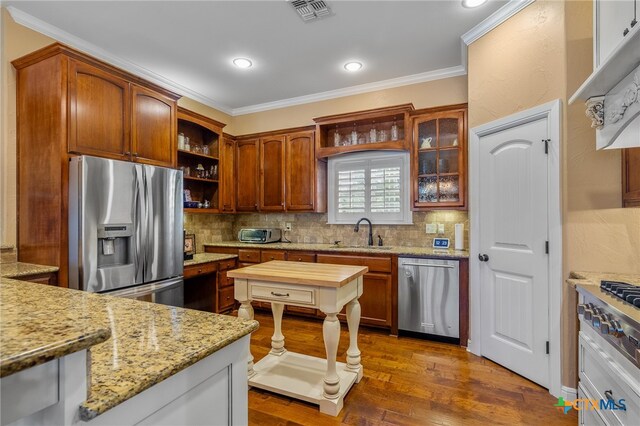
473,3
353,66
242,63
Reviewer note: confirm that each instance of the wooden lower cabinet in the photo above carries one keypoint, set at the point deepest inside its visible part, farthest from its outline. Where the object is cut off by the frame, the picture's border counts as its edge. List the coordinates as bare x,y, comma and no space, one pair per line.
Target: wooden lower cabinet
226,300
207,287
375,302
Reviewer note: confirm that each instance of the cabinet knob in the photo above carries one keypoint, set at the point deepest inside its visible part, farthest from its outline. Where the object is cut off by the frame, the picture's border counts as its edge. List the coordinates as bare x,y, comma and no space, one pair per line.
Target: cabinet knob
128,153
625,32
634,22
199,271
135,154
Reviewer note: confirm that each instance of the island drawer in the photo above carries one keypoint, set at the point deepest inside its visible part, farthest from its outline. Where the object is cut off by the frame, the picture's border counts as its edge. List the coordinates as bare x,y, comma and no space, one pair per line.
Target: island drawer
249,256
269,255
202,269
375,264
298,256
281,293
227,264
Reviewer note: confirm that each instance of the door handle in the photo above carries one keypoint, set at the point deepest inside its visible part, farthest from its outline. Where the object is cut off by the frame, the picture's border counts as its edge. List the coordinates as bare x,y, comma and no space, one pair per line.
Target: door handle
483,257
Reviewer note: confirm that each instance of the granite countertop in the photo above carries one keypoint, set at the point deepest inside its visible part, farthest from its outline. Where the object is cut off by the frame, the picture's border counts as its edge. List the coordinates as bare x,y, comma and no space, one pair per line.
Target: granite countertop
201,258
20,269
594,278
398,250
41,323
149,342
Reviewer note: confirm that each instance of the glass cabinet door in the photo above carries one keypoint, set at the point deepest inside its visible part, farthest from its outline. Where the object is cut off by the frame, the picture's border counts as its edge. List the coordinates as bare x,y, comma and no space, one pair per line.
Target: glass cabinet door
439,166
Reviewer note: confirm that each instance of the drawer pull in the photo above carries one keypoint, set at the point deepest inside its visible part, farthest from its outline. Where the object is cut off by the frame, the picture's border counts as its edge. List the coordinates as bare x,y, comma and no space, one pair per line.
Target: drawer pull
273,293
199,271
271,258
609,395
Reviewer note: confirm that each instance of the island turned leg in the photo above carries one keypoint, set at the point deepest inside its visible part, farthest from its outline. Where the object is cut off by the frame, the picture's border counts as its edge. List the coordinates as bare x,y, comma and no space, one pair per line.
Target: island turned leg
353,353
331,335
277,340
245,311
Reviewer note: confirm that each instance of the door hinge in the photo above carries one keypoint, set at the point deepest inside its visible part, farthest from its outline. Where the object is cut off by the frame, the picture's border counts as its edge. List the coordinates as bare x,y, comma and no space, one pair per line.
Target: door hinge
546,247
546,145
547,347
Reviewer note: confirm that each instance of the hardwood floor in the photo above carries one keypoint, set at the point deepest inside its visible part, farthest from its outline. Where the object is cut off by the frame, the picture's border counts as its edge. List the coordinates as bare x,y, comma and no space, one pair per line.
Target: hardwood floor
407,381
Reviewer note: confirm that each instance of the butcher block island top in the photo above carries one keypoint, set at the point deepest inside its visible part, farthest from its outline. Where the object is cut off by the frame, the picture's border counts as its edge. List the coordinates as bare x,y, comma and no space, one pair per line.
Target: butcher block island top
133,345
304,273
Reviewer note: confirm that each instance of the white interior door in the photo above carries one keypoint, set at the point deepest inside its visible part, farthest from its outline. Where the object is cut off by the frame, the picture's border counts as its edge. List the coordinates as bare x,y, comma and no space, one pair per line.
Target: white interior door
513,230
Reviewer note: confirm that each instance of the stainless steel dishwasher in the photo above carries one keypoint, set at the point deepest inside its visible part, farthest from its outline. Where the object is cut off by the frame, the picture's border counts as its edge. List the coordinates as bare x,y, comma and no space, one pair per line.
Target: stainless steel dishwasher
428,292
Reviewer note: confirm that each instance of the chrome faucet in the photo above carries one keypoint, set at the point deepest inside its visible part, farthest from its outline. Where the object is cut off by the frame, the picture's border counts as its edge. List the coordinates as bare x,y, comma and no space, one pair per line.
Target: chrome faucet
357,228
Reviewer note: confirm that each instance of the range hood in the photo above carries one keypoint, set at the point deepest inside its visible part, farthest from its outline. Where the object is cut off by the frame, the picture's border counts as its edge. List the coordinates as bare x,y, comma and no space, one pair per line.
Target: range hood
612,96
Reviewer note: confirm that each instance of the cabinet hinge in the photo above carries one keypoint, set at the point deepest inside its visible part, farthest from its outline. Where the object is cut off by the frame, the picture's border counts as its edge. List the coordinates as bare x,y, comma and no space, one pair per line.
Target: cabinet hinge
546,247
547,347
546,145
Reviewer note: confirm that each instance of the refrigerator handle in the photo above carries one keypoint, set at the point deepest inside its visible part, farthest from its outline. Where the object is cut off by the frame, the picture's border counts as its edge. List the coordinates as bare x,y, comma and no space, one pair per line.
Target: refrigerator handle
147,219
139,229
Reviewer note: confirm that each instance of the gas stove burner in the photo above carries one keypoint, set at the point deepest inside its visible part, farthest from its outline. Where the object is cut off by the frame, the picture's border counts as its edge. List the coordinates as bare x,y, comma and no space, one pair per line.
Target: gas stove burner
624,291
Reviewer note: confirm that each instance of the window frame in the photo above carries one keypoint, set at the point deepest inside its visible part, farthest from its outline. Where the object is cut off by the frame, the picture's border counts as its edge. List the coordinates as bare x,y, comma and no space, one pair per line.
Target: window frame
391,158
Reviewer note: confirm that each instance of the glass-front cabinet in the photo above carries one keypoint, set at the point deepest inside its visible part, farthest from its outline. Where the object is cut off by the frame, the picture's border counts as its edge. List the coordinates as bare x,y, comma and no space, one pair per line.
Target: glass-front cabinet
439,158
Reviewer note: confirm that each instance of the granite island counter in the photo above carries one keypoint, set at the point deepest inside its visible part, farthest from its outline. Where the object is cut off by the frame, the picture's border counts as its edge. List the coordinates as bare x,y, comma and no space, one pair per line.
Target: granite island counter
131,349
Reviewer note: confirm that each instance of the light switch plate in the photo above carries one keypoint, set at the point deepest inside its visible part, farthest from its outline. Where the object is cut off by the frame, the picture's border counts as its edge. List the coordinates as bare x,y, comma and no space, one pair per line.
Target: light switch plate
430,228
441,228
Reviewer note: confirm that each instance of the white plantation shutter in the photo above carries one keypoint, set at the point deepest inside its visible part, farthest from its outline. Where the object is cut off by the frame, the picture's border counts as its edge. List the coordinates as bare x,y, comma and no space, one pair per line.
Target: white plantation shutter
372,185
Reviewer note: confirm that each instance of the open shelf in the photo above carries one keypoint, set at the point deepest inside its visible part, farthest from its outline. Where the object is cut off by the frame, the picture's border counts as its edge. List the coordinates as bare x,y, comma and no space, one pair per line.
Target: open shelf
197,154
201,211
200,179
334,133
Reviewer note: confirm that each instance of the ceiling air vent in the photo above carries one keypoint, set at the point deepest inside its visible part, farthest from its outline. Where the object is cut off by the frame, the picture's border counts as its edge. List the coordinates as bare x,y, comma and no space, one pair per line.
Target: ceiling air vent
311,9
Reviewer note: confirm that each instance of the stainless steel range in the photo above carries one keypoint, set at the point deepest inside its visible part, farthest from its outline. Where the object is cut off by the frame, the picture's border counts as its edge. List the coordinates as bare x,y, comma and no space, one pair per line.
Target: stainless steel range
613,311
609,353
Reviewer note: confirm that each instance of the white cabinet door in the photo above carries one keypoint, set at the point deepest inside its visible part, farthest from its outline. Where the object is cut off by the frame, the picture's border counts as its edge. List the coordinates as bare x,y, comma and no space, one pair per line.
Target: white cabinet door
612,17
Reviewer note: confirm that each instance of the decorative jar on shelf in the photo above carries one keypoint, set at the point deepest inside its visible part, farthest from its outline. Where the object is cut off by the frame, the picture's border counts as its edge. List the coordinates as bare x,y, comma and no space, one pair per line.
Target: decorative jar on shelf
181,141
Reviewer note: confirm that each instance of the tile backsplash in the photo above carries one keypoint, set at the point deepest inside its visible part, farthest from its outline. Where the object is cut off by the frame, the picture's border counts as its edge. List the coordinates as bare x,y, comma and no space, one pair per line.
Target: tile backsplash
313,228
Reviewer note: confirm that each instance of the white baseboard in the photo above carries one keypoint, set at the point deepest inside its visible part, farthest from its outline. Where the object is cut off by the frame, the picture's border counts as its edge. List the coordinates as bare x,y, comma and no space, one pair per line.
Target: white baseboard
569,393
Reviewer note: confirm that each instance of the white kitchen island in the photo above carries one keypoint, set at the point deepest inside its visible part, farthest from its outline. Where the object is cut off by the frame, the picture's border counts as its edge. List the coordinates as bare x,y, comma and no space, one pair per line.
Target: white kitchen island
324,382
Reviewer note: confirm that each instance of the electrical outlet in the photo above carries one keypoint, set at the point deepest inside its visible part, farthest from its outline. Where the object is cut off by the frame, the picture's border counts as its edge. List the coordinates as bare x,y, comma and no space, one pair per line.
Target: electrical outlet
287,226
441,228
430,228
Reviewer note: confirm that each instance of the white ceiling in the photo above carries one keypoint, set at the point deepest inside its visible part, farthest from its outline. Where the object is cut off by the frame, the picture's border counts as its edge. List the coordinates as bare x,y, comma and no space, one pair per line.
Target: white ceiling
191,43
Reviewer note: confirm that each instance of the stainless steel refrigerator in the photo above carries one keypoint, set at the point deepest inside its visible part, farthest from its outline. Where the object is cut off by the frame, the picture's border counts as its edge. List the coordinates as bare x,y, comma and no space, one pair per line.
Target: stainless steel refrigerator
125,230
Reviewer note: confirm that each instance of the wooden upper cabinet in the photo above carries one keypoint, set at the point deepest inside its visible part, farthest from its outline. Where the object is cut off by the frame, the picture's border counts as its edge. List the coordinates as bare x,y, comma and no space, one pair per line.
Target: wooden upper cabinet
300,171
439,163
227,176
631,177
153,127
99,112
272,173
247,170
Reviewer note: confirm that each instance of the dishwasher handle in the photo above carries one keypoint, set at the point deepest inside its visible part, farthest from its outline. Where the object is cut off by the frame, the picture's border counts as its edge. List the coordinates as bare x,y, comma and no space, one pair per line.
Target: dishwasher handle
429,265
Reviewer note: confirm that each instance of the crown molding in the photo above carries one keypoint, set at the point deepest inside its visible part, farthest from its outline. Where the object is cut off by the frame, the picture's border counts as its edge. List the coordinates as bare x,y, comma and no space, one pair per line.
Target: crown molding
355,90
495,19
56,33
